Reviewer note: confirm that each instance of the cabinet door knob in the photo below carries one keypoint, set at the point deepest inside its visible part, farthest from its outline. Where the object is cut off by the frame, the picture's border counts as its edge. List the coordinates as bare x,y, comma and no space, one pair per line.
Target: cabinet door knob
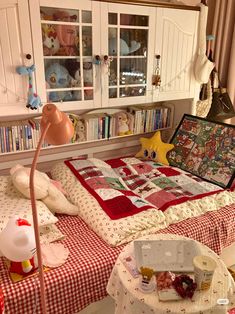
28,56
97,59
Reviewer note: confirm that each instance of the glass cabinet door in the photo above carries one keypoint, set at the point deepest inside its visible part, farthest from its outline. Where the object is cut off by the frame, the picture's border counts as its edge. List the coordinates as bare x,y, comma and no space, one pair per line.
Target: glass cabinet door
129,53
64,33
67,53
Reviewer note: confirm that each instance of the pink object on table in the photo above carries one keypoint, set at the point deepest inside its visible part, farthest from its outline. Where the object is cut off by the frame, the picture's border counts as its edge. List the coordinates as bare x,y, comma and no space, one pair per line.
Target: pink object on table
54,254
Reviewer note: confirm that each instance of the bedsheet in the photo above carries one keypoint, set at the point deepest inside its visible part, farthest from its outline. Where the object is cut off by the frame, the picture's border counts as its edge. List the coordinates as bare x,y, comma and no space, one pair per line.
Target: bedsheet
83,278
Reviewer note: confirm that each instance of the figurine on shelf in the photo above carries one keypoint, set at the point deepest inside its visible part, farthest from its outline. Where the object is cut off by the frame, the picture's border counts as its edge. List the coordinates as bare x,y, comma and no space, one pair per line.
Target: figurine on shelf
124,123
79,128
147,280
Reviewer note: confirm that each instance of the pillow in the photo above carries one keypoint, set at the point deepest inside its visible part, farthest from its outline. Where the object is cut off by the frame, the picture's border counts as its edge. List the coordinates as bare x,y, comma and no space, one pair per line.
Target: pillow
154,149
45,190
13,204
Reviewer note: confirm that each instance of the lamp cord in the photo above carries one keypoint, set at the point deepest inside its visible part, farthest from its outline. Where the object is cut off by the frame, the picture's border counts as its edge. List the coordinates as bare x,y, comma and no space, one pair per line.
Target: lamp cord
35,220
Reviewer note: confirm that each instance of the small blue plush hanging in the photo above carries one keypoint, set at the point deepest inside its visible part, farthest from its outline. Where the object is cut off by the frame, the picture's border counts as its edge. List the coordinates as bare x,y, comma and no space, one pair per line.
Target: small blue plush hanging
34,100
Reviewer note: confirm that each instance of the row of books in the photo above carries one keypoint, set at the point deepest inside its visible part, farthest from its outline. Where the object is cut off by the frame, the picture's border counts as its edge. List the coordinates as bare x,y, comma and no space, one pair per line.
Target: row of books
150,119
89,127
137,119
19,137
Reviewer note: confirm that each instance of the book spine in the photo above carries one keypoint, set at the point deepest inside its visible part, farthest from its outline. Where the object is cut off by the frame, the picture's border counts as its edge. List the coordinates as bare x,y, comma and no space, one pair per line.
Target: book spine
106,126
96,129
10,138
2,140
26,137
100,127
13,138
7,139
30,138
103,127
17,138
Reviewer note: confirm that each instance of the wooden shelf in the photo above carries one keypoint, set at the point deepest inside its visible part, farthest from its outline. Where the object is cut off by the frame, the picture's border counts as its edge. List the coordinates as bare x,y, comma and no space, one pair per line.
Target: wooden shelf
105,148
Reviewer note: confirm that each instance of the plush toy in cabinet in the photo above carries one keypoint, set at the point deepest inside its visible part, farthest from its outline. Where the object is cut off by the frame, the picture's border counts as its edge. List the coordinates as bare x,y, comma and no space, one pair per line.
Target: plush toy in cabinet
51,44
124,48
57,76
87,45
63,15
73,67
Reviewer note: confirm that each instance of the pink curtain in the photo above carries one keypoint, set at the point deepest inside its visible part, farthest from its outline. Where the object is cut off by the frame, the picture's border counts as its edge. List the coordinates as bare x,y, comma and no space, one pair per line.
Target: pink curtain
221,20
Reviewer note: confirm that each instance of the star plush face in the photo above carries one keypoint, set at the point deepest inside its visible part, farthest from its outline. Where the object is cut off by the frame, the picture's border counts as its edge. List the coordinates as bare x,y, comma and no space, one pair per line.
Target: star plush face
154,149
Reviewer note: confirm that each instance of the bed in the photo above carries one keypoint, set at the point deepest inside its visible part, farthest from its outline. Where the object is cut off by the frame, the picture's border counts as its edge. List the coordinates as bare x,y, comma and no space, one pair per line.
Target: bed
95,240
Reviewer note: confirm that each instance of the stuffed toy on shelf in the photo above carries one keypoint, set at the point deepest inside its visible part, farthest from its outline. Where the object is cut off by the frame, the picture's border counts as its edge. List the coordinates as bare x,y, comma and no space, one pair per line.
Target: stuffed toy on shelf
124,123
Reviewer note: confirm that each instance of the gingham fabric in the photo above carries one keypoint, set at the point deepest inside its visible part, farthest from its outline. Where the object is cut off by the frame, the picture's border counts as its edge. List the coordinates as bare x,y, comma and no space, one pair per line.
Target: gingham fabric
83,278
1,302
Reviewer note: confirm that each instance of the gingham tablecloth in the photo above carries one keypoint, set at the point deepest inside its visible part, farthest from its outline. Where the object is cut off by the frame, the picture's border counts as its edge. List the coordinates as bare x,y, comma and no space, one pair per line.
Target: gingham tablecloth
84,277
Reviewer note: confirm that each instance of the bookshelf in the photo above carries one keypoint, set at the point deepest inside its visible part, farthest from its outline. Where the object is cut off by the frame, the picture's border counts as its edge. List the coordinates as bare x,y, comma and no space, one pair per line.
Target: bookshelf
18,139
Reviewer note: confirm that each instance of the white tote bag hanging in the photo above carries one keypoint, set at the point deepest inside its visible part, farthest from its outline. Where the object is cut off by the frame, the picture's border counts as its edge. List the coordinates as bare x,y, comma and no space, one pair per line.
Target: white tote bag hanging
203,66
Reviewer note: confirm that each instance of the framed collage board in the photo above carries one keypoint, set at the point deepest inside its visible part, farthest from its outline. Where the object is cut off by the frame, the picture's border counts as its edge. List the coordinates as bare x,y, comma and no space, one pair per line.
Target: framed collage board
205,149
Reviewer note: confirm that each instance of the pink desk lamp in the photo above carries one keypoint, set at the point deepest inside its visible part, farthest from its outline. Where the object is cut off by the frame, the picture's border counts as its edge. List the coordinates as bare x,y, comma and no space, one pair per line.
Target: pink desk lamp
56,129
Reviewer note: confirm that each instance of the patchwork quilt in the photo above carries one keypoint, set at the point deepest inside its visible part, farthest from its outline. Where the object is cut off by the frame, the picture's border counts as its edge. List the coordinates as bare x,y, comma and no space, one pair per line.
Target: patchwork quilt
127,186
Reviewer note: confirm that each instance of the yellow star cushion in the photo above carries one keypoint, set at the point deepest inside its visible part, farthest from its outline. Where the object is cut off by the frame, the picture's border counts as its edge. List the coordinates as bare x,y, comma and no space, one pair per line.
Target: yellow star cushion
154,149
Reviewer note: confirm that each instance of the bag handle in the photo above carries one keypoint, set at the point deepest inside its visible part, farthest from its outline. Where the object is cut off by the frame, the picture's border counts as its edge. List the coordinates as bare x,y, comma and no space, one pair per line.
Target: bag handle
202,28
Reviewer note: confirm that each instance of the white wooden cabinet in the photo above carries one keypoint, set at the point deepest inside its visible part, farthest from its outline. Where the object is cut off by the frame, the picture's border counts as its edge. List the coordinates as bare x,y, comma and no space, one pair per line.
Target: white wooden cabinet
122,36
127,39
66,37
176,42
15,44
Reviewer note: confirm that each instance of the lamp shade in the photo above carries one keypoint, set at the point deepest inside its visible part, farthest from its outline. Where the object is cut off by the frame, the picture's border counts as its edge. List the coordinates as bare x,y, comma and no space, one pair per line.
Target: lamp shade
61,128
17,240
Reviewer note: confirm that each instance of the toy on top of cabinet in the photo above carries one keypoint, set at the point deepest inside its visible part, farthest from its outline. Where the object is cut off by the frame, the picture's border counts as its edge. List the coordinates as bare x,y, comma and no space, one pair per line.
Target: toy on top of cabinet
63,15
58,15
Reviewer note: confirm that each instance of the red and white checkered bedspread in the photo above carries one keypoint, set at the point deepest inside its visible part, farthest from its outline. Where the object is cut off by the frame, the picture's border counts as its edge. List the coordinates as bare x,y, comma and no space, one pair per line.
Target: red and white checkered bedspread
83,278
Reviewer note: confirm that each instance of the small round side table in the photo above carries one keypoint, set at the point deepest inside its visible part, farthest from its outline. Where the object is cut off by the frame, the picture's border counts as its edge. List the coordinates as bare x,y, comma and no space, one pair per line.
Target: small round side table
124,288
